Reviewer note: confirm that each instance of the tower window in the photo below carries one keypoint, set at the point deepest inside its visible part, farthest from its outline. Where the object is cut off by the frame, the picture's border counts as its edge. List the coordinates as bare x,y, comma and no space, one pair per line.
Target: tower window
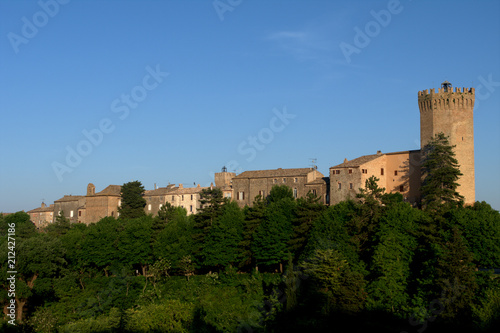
350,170
401,188
340,186
381,171
295,193
395,172
351,186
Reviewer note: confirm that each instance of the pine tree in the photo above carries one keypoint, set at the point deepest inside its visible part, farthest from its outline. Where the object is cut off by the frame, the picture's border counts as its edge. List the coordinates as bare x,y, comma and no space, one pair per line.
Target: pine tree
308,210
253,217
440,172
132,201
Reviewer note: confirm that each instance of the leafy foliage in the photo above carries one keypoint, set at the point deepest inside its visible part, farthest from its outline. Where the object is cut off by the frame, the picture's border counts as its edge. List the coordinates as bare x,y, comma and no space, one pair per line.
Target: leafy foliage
132,201
440,172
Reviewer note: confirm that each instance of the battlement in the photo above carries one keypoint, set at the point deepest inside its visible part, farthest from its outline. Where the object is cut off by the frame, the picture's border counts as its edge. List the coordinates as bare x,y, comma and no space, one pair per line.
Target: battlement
457,90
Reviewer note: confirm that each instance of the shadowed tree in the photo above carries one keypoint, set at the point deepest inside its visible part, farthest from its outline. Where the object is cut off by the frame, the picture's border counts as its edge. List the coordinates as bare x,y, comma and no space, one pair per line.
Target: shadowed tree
132,201
440,172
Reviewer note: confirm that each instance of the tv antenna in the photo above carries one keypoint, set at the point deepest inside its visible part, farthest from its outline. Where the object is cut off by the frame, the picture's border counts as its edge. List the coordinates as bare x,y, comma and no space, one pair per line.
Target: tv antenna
313,163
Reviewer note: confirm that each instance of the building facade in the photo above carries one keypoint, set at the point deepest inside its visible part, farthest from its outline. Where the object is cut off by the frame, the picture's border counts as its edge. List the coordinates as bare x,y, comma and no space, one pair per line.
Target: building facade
451,111
102,204
70,206
42,216
249,184
180,196
397,172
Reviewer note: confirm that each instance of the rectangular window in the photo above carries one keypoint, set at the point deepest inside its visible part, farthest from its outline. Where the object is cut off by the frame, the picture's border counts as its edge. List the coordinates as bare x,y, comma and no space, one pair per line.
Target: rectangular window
337,172
149,207
382,171
340,186
275,181
284,180
79,213
295,180
173,198
191,208
314,191
350,170
71,214
295,193
182,197
191,197
401,188
364,170
241,195
351,186
395,172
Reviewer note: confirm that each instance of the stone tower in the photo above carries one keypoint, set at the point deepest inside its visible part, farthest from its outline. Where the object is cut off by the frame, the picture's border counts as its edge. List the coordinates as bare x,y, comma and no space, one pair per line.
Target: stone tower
223,178
451,111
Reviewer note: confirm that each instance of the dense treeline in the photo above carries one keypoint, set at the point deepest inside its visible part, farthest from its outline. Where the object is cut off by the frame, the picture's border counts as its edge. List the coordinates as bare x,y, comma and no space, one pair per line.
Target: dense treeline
283,264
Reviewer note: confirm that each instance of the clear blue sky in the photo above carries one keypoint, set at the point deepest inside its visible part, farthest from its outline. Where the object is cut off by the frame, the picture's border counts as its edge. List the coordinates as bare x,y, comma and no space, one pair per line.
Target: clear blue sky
85,67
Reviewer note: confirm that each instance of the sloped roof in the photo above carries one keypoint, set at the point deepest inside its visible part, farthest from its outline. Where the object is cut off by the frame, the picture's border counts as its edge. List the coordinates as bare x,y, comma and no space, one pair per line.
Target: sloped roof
42,209
111,190
70,198
319,181
358,161
186,190
274,173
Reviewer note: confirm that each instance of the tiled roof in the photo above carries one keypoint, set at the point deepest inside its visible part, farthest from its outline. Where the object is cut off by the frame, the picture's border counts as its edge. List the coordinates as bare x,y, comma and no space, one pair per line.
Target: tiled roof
274,173
42,209
70,198
111,190
171,190
358,161
368,158
186,190
319,181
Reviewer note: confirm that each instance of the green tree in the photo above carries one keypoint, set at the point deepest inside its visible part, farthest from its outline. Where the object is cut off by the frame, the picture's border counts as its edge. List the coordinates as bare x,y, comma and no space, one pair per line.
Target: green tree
24,228
132,200
343,289
393,252
212,202
308,210
253,217
278,193
480,227
456,278
270,241
440,172
60,226
99,248
221,246
134,243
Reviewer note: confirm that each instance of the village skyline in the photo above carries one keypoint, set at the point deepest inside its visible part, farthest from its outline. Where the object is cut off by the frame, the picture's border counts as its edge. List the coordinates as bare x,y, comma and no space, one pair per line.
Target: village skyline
169,92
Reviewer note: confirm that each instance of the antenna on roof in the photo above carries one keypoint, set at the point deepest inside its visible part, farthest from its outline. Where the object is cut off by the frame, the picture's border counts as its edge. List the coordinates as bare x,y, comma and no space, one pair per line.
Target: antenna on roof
313,163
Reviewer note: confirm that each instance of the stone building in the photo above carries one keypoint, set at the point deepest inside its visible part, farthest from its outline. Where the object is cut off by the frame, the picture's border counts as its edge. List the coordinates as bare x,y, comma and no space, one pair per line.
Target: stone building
180,196
397,172
101,204
42,215
452,113
71,206
249,184
224,181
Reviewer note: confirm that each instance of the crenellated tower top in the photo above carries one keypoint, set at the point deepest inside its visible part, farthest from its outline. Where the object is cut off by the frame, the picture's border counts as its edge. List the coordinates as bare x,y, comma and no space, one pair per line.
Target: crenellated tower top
451,111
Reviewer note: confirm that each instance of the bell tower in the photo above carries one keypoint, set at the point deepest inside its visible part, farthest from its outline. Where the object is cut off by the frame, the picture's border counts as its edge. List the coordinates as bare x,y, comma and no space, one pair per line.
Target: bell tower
451,111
